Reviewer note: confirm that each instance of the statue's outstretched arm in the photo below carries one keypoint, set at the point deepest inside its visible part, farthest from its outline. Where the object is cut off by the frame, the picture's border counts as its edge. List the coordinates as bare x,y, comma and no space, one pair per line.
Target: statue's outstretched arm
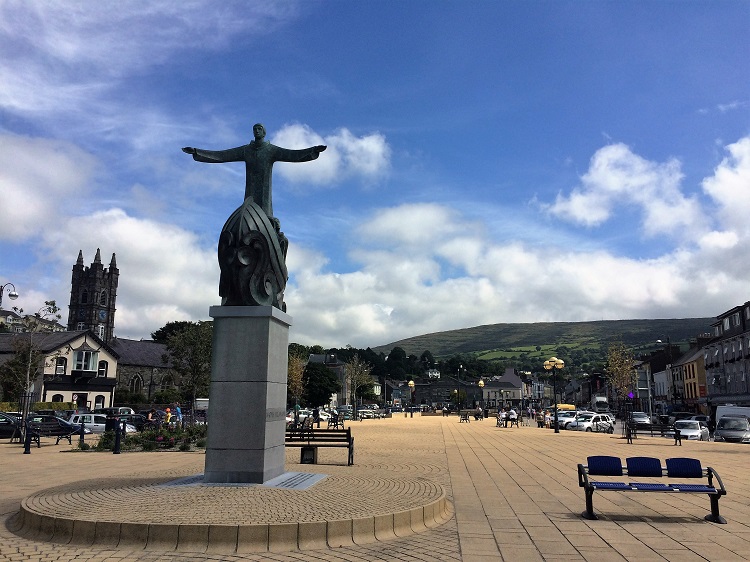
216,156
301,155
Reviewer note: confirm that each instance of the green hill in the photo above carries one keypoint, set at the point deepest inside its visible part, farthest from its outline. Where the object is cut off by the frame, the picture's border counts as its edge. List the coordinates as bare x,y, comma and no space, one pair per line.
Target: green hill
497,341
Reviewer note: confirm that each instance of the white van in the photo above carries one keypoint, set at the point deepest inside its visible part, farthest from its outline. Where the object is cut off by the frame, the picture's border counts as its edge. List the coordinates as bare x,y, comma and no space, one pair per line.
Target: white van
731,410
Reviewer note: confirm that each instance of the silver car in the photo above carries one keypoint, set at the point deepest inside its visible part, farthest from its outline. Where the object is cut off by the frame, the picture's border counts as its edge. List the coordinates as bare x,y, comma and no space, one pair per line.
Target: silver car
733,429
689,429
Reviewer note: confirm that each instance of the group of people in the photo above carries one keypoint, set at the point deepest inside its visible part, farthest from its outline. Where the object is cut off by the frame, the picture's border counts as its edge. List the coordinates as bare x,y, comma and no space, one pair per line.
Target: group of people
543,418
172,416
507,417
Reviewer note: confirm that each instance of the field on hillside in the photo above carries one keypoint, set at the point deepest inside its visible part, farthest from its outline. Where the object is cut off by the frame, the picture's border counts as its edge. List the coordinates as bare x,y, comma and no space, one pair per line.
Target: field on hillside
508,341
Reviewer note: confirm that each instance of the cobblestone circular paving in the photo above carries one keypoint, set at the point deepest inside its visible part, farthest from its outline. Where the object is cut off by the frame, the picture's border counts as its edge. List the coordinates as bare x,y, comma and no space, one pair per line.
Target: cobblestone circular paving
361,495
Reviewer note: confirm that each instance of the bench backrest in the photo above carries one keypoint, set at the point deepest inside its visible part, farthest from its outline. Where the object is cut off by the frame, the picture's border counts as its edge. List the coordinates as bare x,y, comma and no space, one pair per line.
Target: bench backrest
644,466
682,467
604,466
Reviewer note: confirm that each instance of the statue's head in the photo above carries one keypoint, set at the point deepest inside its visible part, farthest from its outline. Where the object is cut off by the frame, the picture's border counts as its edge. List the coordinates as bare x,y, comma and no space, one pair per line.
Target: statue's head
259,131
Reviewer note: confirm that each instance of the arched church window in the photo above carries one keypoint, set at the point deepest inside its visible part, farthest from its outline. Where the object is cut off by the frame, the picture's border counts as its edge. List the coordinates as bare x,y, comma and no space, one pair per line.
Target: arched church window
136,384
103,298
167,382
84,296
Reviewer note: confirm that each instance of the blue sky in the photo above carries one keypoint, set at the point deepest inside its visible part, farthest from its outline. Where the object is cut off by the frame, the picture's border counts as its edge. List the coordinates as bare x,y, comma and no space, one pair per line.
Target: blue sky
488,161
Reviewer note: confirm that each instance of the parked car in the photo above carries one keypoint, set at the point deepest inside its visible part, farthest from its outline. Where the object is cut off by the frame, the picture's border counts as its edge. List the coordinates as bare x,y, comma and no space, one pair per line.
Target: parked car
675,416
97,423
59,425
640,419
733,429
564,418
365,414
114,411
8,425
689,429
592,422
136,420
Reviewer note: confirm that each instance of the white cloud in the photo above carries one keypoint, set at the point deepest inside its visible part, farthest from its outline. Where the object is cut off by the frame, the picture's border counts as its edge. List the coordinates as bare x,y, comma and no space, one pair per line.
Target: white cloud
617,176
366,157
41,179
729,188
165,272
55,55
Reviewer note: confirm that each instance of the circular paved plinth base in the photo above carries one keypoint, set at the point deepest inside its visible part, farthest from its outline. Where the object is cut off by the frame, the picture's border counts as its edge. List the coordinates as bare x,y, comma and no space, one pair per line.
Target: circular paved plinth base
339,510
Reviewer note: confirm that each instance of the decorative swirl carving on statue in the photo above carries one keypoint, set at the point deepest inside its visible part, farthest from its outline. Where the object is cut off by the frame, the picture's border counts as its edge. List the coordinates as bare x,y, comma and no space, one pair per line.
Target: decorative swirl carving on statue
252,255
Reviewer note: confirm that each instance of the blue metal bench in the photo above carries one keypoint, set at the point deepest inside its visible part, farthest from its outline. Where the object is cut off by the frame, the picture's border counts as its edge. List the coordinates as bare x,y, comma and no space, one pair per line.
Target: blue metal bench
648,467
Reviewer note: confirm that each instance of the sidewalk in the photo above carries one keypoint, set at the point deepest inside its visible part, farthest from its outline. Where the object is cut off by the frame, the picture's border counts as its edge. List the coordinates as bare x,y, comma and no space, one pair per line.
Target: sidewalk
514,492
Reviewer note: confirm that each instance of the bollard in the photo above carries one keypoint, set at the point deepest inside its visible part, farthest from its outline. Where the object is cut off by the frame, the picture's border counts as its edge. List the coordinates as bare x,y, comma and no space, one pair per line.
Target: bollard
412,412
116,449
83,429
27,441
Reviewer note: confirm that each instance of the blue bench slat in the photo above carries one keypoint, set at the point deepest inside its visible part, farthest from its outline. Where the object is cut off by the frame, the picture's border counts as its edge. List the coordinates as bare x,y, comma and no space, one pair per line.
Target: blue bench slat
700,488
650,487
610,485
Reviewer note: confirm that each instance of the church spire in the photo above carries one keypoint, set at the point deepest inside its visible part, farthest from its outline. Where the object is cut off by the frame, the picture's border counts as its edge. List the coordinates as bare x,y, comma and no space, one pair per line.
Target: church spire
80,258
98,258
113,263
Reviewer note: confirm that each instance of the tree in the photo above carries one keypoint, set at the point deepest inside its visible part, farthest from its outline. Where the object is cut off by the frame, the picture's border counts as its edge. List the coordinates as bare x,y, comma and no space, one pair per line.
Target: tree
427,360
13,372
170,328
19,375
358,377
319,384
295,382
190,355
621,368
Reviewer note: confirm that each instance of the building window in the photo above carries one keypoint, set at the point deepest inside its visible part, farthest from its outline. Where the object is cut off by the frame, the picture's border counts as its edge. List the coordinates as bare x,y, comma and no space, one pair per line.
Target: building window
136,384
57,397
103,365
103,298
61,366
84,296
99,401
167,382
85,360
81,326
100,331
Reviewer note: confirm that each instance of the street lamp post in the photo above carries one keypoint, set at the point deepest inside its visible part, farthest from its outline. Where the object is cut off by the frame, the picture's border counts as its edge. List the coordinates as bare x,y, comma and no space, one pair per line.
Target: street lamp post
12,294
481,395
458,389
551,364
411,393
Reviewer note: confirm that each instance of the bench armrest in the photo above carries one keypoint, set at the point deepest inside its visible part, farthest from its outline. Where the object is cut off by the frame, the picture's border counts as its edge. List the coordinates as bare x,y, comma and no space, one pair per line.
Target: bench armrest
711,473
583,475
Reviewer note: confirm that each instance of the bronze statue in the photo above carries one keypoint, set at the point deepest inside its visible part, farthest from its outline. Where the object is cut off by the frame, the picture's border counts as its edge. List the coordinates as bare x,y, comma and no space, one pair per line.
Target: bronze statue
252,248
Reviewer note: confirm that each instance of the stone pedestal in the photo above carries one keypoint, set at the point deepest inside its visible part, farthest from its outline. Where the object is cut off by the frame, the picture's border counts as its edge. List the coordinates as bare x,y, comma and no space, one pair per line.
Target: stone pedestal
247,408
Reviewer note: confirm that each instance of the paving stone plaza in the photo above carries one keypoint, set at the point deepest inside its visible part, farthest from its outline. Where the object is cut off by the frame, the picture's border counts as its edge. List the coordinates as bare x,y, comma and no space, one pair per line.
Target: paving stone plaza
421,488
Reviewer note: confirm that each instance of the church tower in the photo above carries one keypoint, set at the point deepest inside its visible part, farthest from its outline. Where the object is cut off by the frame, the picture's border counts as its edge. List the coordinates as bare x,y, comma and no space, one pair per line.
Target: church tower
92,297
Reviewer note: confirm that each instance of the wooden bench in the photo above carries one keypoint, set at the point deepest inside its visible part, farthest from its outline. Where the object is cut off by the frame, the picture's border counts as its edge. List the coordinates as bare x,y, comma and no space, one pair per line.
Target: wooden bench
648,467
631,431
310,439
50,428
